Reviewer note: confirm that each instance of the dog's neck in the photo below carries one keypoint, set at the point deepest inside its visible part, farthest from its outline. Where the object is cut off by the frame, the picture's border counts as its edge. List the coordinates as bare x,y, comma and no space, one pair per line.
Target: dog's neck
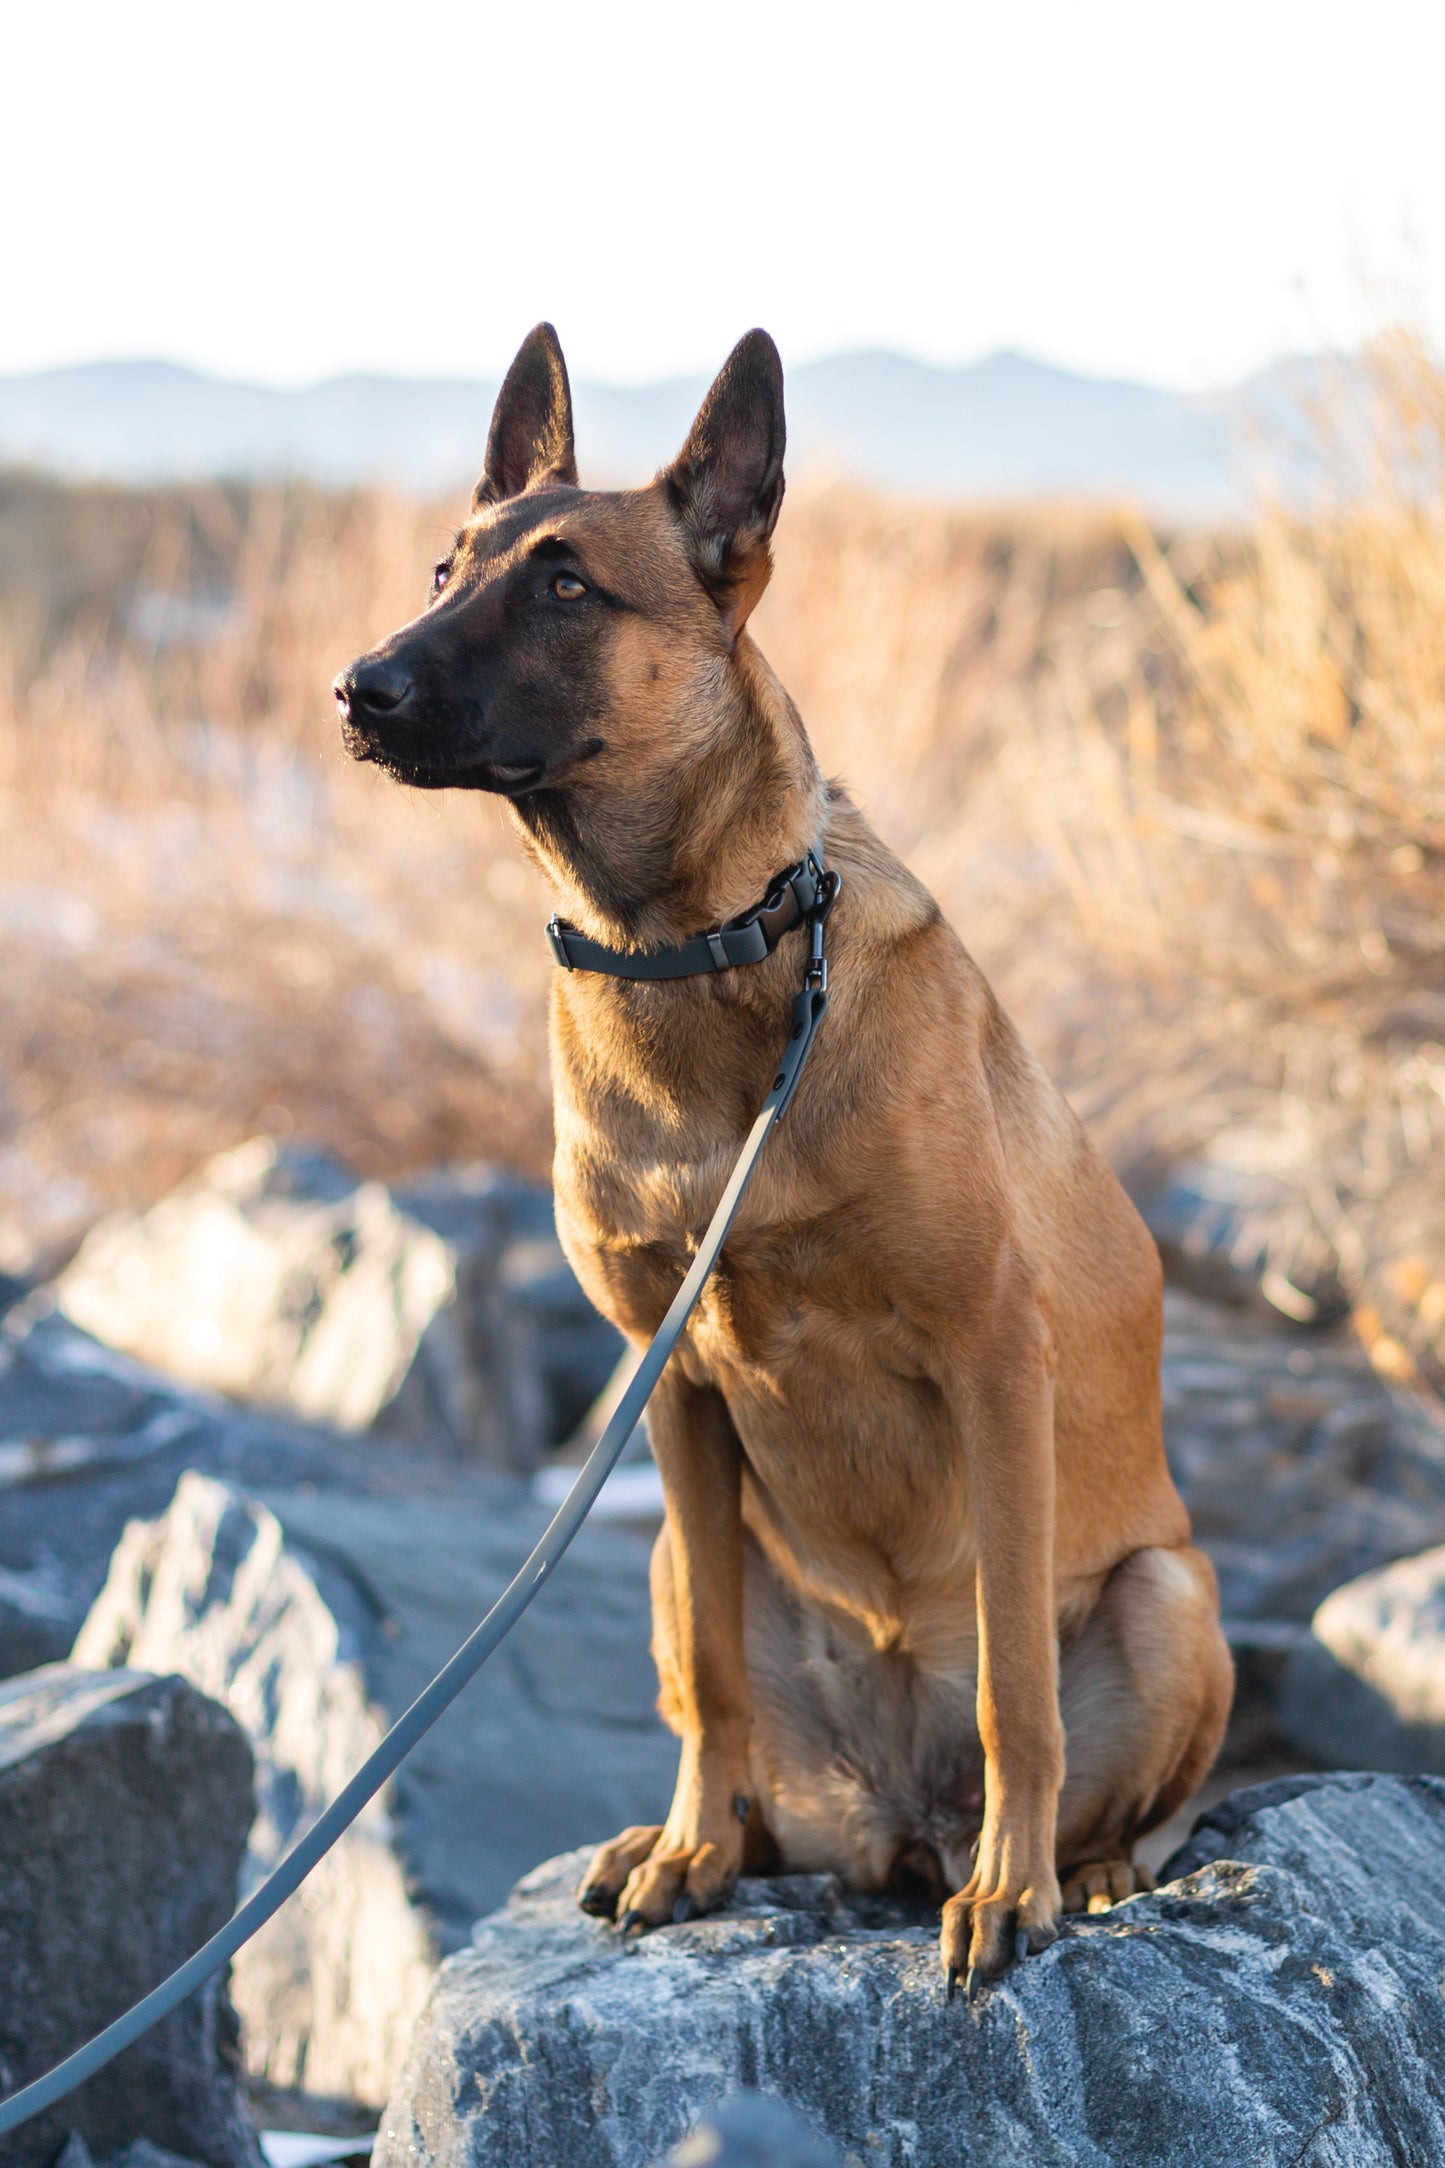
698,844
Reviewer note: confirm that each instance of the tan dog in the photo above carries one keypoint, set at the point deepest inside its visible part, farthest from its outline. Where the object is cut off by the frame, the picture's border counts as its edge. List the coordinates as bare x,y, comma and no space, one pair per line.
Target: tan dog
925,1602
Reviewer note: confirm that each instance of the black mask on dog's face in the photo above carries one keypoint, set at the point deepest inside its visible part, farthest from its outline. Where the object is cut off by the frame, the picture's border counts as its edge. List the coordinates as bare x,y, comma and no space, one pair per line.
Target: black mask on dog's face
576,642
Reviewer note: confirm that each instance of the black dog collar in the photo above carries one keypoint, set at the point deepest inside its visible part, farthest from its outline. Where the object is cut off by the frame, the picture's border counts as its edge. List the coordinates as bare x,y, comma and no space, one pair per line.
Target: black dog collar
802,894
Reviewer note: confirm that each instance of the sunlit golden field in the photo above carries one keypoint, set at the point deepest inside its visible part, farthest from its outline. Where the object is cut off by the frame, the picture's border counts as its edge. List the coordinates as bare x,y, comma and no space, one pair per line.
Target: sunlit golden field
1183,795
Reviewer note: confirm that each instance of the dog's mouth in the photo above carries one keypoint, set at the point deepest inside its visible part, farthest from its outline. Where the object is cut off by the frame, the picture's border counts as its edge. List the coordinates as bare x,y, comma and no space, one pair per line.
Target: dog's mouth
506,778
512,776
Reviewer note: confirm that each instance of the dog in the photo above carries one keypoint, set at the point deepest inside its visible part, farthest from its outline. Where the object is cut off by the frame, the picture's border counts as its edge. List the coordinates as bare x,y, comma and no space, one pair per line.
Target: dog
925,1605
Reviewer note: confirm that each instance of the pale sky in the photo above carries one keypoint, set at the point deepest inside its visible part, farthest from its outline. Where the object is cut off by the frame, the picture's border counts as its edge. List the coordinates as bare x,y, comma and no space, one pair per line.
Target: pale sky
1178,192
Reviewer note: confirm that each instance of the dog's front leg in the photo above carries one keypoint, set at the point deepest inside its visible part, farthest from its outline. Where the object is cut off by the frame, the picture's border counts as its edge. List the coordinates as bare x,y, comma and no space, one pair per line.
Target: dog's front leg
1012,1902
649,1877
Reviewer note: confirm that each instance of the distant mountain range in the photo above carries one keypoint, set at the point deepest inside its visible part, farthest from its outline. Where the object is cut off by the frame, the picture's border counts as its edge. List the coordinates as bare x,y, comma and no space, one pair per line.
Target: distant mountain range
1004,429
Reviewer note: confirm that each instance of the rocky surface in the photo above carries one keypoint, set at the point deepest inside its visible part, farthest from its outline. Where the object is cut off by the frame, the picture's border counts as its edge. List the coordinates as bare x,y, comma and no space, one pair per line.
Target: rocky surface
140,2153
124,1806
1368,1686
387,1551
1277,2001
328,1990
88,1440
1300,1467
1218,1221
442,1311
316,1619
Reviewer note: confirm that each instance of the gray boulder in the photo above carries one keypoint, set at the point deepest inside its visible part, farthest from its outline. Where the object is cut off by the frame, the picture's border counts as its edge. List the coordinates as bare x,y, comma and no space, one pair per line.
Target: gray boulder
1277,2001
89,1440
445,1313
140,2153
1299,1466
124,1805
1218,1224
316,1619
328,1991
1367,1687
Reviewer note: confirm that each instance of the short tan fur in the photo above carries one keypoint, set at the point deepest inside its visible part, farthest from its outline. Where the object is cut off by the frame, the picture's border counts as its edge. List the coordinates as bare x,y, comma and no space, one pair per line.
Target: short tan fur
925,1603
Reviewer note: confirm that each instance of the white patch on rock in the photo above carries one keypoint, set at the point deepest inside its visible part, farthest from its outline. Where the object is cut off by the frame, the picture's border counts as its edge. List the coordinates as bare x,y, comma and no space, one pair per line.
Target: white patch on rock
1388,1627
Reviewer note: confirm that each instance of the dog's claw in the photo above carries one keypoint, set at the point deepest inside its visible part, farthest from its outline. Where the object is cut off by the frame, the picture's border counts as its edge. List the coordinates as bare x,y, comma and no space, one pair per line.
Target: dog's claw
952,1987
684,1910
629,1921
597,1901
741,1805
1021,1945
972,1985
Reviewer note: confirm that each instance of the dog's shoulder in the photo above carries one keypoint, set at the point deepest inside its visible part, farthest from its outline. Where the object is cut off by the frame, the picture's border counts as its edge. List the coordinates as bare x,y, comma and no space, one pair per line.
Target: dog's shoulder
884,911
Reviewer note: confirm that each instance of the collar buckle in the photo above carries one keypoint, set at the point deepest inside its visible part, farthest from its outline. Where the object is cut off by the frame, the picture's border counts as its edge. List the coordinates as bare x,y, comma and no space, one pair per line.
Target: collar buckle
826,887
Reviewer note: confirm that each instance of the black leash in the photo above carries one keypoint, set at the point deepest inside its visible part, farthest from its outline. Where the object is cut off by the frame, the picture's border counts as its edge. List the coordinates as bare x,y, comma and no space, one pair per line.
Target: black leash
807,879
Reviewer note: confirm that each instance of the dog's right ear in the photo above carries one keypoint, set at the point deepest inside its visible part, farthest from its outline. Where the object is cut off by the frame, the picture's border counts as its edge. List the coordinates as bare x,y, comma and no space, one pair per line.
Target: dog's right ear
530,441
726,484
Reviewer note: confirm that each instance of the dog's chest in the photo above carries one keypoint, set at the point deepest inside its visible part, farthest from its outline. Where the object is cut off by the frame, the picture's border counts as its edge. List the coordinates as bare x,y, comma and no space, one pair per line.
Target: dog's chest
857,1481
782,1298
830,1387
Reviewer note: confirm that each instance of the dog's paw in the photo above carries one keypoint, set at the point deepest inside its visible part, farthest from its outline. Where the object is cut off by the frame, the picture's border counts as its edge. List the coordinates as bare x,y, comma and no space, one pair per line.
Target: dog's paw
673,1886
985,1930
642,1880
1102,1883
611,1866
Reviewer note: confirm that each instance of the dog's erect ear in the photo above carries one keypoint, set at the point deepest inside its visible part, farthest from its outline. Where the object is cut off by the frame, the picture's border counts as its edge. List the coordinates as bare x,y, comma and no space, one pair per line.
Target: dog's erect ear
530,440
726,484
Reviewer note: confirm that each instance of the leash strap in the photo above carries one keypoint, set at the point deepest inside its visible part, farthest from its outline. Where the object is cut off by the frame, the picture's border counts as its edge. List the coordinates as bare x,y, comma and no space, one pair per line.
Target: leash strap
386,1759
793,897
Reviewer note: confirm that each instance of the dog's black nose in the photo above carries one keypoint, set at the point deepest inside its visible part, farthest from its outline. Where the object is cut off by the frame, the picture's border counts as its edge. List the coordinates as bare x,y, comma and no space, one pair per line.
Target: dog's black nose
372,688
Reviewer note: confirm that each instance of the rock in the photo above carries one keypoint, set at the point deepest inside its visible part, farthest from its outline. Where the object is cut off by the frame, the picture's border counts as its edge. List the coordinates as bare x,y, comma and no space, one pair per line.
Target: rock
124,1805
445,1311
401,1550
1281,1991
1299,1466
574,1348
1368,1686
317,1619
752,2130
111,1412
1217,1222
34,1614
328,1990
140,2153
89,1440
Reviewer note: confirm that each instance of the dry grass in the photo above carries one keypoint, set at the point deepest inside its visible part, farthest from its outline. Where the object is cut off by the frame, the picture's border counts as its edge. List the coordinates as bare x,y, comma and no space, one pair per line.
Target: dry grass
1184,796
1259,865
216,923
213,923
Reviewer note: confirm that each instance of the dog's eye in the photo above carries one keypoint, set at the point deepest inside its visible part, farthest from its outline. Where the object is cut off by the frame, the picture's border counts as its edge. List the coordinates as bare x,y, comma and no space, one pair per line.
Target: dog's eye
568,588
440,571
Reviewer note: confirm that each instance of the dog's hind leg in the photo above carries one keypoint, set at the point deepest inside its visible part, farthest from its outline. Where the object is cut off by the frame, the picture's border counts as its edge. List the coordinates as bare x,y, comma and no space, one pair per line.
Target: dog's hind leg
1144,1692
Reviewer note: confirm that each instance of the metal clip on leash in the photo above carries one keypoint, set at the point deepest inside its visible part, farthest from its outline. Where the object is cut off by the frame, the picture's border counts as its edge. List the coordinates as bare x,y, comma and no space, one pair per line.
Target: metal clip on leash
808,1011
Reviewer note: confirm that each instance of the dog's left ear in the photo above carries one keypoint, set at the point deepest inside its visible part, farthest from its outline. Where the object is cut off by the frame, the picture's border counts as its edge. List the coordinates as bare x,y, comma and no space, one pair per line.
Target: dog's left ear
726,484
530,441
